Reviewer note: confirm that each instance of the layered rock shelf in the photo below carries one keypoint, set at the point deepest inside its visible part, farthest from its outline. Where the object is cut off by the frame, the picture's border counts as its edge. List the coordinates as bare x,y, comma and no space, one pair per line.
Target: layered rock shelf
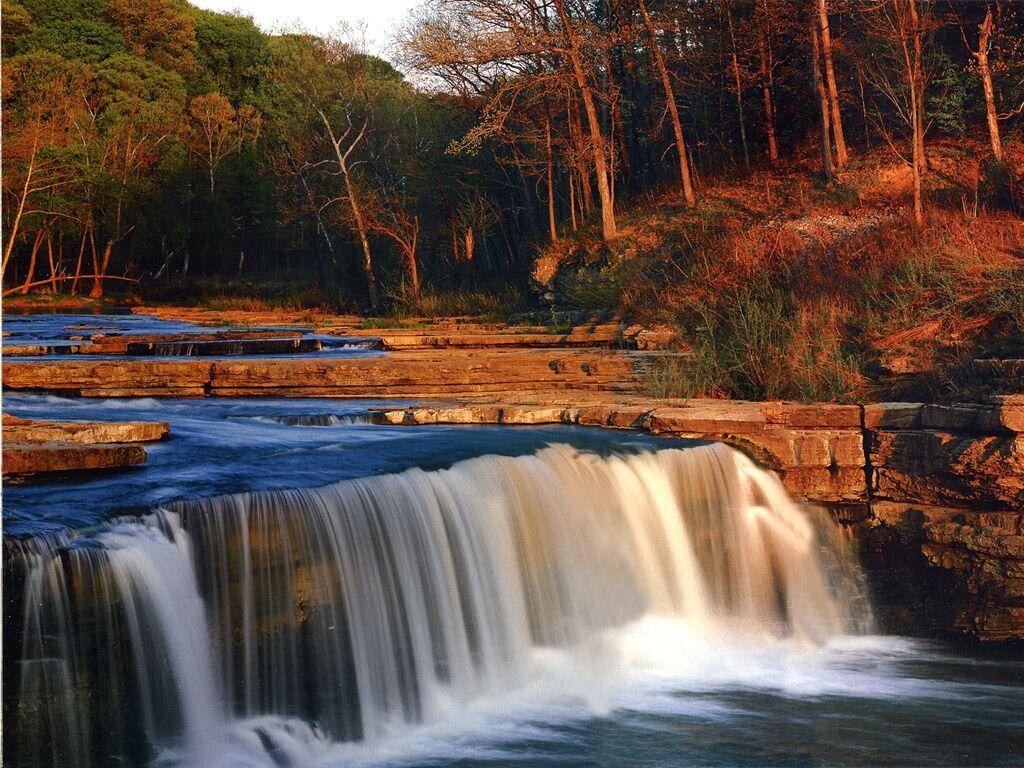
451,373
592,330
933,493
175,345
48,447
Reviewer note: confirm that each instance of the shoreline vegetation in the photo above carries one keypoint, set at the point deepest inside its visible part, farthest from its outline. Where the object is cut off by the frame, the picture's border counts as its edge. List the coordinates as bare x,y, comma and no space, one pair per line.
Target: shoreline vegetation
808,212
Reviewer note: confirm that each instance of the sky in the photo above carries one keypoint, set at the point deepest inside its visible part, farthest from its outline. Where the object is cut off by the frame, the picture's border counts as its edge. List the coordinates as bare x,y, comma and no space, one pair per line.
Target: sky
381,16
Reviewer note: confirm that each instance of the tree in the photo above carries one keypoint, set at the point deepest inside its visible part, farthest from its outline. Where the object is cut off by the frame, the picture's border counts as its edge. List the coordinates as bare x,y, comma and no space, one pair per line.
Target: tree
897,66
987,31
842,155
137,110
670,101
819,88
41,99
216,130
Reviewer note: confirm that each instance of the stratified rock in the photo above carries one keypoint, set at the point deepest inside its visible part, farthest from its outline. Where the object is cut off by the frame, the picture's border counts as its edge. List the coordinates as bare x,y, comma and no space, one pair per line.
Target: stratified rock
409,374
948,469
86,432
892,415
21,459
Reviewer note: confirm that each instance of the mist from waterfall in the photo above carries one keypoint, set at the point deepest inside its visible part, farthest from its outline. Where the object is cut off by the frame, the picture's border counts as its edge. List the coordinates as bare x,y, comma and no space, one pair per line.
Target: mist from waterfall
263,628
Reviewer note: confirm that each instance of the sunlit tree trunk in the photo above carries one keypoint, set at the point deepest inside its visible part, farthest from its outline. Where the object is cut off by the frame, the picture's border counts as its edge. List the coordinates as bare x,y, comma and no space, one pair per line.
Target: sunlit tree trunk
670,101
842,156
552,224
819,88
985,71
37,243
738,83
766,56
604,188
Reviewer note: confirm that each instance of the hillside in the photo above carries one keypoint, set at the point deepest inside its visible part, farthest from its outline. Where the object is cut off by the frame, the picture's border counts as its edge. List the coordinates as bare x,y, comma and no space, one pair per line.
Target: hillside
779,286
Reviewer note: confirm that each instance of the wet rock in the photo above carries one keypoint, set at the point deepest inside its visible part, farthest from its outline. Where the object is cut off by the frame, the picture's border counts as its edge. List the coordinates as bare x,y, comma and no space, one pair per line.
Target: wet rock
24,459
85,432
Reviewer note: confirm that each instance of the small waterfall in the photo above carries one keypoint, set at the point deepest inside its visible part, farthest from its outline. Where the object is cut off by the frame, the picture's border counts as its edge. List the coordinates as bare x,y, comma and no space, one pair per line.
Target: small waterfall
357,609
313,419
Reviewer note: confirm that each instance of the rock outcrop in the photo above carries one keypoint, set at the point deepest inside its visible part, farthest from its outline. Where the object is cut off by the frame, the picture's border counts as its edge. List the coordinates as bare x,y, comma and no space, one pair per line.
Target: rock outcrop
48,447
449,373
947,490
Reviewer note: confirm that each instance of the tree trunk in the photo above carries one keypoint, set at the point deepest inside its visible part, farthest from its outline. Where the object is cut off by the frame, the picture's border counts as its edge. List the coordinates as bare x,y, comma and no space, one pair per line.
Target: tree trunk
552,224
50,262
670,101
915,77
12,234
764,48
40,236
819,88
842,156
572,202
101,271
985,70
739,86
576,132
357,214
604,189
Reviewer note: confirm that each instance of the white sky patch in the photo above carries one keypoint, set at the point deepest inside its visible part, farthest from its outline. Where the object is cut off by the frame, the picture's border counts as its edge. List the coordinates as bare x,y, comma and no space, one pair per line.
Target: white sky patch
382,17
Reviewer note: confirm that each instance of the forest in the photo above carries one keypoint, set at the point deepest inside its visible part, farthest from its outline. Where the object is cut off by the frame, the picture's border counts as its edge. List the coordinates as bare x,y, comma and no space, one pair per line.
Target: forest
150,146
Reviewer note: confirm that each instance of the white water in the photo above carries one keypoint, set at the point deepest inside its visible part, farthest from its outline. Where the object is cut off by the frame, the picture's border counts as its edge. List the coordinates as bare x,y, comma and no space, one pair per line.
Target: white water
268,628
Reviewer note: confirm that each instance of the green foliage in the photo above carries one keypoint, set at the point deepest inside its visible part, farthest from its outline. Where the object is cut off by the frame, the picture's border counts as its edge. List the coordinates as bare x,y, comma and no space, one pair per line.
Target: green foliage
999,186
761,345
949,96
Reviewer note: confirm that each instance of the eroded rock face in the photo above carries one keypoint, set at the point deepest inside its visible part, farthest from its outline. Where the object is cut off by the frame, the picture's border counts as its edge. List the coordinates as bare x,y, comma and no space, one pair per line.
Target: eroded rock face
23,459
947,491
85,432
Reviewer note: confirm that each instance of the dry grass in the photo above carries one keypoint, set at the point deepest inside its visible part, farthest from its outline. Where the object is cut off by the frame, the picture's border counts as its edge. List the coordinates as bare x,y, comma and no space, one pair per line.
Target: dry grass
786,289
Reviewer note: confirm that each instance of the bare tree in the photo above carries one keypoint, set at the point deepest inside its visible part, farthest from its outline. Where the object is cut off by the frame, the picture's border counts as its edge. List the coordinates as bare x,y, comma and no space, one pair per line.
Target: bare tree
898,71
842,155
658,58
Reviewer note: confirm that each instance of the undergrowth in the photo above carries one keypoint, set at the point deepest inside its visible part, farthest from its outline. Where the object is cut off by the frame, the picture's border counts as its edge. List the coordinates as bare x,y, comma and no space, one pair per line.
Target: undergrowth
819,307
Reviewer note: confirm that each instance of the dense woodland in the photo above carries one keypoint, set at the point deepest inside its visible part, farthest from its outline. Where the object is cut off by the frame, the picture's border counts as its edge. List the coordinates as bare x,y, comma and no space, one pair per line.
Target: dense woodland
147,143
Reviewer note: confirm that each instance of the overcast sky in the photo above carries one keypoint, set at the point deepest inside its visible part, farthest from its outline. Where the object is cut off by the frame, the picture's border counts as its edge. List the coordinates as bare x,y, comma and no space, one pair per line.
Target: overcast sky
380,16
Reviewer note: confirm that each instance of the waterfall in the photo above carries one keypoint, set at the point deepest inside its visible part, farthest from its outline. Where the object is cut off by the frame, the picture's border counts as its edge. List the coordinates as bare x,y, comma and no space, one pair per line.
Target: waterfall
353,610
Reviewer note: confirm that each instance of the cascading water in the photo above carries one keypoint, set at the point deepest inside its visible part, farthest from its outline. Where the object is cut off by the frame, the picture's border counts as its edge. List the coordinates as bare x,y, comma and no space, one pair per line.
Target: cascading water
272,624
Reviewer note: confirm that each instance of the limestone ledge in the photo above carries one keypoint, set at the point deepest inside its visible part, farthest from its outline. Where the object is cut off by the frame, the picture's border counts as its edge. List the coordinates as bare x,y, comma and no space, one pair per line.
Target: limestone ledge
24,459
816,464
451,373
47,447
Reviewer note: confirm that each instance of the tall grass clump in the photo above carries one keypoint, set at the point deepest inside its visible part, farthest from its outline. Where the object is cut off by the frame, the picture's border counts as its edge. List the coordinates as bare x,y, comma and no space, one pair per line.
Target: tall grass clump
498,306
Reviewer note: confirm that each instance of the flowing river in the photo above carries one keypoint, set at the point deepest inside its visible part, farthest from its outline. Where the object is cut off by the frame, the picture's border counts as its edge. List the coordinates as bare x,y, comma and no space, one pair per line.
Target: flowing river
286,584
